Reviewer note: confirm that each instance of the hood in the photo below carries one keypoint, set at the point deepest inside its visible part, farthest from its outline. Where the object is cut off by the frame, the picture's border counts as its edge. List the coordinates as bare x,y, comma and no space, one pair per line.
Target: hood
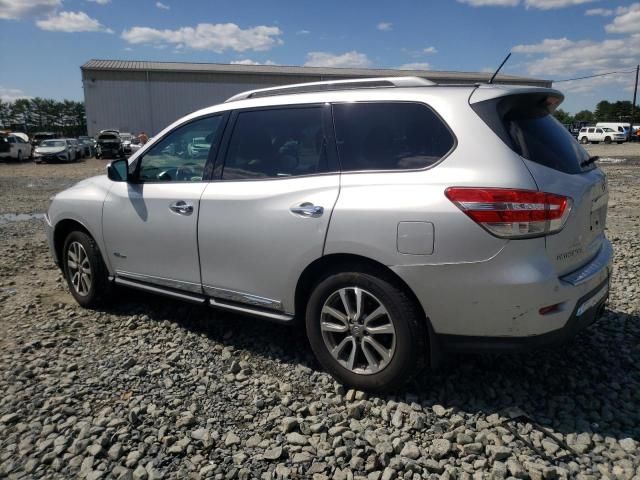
99,180
50,150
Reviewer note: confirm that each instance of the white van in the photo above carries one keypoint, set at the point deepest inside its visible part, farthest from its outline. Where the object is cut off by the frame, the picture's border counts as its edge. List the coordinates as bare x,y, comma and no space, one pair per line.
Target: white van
621,127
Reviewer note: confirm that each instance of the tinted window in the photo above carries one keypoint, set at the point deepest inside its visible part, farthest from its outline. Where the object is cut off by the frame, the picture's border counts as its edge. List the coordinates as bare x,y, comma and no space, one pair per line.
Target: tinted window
176,157
591,130
526,124
389,136
277,143
599,130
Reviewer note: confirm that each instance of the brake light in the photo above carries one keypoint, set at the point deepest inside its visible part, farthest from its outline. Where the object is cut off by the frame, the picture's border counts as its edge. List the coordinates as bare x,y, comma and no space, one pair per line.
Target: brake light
512,213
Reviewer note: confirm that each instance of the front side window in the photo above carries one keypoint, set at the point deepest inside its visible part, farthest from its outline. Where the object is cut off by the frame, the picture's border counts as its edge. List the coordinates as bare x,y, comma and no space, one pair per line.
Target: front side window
599,130
181,155
389,136
277,143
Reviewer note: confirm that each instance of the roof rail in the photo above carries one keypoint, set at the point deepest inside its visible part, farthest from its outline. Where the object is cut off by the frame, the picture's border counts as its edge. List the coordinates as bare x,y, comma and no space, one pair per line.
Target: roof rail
334,85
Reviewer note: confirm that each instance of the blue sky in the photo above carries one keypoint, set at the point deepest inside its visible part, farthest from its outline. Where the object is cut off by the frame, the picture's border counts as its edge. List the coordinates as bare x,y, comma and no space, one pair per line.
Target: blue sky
44,42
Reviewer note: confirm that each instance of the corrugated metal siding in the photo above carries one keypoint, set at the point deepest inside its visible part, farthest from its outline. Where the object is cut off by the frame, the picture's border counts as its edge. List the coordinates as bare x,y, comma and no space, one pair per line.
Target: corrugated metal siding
123,95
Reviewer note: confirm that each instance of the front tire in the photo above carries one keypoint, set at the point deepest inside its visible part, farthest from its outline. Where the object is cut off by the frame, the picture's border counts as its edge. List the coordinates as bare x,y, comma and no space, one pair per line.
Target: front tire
84,270
607,140
365,330
584,140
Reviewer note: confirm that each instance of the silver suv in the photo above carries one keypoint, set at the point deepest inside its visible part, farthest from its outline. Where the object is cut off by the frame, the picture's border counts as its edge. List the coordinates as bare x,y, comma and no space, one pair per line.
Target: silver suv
400,219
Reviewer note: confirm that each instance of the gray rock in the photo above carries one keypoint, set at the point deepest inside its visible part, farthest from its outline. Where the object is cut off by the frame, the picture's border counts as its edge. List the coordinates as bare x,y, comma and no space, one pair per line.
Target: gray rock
411,451
272,453
439,448
628,445
296,438
115,452
231,439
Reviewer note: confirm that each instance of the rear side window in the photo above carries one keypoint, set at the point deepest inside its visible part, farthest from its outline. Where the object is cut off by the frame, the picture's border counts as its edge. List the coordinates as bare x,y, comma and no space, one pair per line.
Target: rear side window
525,123
277,143
389,136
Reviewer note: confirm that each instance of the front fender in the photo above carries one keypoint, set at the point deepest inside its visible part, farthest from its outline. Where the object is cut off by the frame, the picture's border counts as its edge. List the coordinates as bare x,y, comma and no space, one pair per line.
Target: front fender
83,203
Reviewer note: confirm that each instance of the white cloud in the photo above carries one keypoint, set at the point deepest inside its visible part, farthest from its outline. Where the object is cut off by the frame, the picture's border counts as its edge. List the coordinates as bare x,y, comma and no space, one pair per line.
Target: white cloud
163,6
491,3
430,50
303,32
415,66
208,36
551,4
17,9
101,2
627,21
11,94
348,59
72,22
602,12
563,57
539,4
248,61
385,26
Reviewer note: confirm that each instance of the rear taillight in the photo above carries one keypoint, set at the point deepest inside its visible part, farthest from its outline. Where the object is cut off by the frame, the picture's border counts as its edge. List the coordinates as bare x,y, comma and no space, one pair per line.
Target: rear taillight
511,213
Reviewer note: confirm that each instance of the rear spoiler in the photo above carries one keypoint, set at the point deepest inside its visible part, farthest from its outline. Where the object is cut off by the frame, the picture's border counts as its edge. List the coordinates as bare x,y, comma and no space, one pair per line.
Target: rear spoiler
550,97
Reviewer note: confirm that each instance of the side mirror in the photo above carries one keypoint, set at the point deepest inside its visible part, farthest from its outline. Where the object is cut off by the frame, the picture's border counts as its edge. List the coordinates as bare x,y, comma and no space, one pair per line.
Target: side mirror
118,170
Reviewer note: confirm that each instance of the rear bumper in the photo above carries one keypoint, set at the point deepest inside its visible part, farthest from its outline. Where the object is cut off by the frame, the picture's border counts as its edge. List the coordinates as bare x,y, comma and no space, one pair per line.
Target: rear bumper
499,300
588,309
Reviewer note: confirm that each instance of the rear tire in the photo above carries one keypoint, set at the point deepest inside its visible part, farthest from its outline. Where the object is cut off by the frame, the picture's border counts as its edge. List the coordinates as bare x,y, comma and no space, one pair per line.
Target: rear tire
619,143
84,270
19,156
390,347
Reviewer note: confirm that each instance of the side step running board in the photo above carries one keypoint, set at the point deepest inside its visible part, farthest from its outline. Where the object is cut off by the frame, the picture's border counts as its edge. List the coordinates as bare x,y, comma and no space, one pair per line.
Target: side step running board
201,300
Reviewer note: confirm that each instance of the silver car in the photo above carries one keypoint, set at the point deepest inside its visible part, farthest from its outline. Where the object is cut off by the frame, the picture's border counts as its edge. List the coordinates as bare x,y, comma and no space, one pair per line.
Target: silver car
398,218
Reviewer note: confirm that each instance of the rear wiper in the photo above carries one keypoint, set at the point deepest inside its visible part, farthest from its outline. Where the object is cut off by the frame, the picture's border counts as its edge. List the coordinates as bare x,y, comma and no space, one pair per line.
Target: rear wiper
589,161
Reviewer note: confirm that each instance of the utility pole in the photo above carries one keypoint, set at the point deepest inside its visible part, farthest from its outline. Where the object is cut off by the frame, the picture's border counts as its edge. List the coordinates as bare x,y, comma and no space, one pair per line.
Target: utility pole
633,104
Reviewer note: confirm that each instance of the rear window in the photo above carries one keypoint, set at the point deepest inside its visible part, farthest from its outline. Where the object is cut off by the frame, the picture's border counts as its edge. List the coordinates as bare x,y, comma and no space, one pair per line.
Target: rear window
525,124
389,136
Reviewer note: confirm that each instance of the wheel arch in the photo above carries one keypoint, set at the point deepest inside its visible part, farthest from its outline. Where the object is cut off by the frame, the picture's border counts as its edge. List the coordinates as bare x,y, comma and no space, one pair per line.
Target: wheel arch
62,230
343,262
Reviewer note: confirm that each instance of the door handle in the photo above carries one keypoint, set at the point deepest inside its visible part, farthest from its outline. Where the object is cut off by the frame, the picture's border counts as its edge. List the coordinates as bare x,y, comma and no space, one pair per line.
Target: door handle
181,207
307,209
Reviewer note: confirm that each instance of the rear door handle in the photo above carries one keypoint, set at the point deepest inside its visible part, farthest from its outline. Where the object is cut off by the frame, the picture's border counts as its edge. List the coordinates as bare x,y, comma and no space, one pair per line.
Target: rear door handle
307,209
181,207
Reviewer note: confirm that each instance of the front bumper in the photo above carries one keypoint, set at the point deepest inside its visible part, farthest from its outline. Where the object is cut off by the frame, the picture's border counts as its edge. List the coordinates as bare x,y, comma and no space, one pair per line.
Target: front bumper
50,241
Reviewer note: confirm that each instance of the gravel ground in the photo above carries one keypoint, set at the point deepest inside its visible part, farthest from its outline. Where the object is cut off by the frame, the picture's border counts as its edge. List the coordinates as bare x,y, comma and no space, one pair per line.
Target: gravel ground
152,388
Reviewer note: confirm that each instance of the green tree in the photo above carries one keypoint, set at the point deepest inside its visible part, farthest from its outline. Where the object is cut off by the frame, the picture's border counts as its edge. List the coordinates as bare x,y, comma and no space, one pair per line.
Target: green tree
562,116
584,116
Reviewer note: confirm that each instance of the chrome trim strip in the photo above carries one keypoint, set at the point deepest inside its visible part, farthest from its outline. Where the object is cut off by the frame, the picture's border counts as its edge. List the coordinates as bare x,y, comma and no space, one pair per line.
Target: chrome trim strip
596,266
242,297
162,291
250,311
593,301
164,282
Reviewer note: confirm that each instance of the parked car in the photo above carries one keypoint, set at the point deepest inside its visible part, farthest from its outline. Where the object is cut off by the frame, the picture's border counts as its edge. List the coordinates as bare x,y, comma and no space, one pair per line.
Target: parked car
88,145
58,150
126,138
365,208
600,134
76,148
135,145
109,144
14,147
620,127
38,137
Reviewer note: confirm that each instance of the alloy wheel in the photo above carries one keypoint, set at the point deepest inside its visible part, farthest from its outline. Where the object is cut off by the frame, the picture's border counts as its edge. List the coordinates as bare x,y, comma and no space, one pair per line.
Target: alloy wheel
79,268
358,330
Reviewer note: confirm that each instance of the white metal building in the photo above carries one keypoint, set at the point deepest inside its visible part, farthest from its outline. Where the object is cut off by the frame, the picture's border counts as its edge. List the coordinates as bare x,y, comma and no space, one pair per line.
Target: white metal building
138,97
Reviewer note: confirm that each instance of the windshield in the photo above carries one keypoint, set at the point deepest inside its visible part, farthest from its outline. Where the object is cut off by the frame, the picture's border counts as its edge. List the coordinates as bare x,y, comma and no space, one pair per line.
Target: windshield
108,137
608,129
53,143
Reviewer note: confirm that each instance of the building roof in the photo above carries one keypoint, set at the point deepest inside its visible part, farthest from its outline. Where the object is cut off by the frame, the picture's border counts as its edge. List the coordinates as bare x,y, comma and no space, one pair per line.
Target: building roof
449,77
